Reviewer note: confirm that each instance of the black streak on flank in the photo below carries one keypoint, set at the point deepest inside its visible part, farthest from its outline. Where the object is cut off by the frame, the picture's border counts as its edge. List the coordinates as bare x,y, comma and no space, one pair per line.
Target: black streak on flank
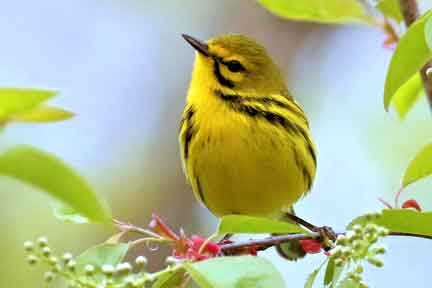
307,178
221,79
200,192
190,131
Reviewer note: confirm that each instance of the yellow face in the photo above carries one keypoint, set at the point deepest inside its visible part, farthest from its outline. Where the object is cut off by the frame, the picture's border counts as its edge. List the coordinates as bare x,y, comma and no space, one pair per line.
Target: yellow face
237,64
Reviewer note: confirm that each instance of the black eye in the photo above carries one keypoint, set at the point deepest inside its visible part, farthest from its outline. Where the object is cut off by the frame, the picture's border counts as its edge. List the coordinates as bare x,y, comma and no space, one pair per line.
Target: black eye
234,66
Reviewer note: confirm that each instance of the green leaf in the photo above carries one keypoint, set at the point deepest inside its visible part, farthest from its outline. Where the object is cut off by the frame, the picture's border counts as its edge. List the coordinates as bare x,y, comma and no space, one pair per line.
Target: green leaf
255,225
390,8
428,32
53,176
41,114
15,100
407,95
420,166
312,277
329,11
329,273
170,279
106,253
67,214
235,272
410,56
400,220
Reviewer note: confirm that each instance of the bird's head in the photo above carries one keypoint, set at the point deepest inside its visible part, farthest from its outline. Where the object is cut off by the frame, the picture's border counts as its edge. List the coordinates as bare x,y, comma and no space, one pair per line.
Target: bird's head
236,64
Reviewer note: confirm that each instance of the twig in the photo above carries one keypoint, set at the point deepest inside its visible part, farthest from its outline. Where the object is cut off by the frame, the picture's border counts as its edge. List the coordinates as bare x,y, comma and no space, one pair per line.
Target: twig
265,243
410,13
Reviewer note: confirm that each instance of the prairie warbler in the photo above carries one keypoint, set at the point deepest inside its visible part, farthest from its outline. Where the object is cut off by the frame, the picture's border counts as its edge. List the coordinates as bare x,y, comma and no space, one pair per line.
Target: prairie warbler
245,143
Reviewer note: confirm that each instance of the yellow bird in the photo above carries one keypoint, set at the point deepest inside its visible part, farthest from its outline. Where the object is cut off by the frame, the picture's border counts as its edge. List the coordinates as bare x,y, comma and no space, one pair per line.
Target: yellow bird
245,143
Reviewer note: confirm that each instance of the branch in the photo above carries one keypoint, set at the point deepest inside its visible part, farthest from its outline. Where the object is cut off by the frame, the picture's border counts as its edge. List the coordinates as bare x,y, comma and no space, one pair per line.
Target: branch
265,243
410,12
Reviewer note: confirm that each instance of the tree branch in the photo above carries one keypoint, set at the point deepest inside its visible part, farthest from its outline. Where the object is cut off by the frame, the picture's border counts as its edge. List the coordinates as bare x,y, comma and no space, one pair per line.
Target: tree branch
410,12
263,244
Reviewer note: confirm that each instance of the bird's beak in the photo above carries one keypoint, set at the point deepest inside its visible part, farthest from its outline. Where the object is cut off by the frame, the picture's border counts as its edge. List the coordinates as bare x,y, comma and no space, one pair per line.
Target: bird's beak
200,46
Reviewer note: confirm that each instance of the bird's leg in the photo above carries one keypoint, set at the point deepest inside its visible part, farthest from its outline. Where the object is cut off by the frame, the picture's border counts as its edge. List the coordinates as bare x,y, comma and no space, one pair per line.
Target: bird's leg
327,235
226,238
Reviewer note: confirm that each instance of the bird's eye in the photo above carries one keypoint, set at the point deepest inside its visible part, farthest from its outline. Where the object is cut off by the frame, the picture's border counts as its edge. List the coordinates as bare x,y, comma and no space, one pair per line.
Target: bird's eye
234,66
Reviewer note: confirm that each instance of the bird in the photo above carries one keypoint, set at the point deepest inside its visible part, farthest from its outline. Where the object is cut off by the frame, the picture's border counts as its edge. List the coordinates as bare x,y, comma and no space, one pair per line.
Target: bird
245,143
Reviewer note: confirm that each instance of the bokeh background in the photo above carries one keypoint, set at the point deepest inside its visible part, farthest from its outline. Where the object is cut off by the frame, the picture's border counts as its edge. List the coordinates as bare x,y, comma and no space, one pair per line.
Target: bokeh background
124,69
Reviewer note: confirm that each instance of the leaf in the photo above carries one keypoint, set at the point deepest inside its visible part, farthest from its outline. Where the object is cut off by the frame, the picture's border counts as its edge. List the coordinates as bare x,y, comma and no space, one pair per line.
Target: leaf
328,276
106,253
255,225
45,171
428,33
400,220
67,214
329,11
390,8
235,272
170,279
312,277
407,95
41,114
420,166
410,56
15,100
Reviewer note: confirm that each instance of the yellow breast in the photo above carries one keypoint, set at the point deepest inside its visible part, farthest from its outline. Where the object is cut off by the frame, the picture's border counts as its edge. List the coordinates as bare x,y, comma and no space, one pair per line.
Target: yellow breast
251,157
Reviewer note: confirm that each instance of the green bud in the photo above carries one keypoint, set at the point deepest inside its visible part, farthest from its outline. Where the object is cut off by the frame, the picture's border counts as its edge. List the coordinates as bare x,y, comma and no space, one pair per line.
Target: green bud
357,245
53,260
141,262
359,269
382,231
379,250
42,241
67,257
71,265
32,259
375,261
46,251
89,269
339,262
124,268
48,276
28,246
108,269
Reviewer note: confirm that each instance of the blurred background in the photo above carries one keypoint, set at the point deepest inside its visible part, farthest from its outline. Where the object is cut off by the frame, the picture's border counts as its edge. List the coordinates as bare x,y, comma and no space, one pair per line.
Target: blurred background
124,69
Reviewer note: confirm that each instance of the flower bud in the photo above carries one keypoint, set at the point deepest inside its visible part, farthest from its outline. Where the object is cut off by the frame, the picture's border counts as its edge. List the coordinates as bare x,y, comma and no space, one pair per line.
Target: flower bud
71,265
48,276
108,269
67,257
53,260
141,262
89,269
379,250
359,269
32,259
375,261
28,246
46,251
42,241
124,268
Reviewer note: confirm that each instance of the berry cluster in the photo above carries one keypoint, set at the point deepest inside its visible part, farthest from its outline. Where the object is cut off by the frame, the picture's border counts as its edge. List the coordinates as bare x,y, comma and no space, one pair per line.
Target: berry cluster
357,245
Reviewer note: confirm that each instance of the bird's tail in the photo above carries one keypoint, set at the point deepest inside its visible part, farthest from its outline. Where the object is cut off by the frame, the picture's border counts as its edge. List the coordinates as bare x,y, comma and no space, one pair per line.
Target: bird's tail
290,250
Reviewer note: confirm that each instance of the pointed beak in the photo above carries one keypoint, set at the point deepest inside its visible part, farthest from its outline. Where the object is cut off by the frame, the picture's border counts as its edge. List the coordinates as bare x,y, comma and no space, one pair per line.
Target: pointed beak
199,45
